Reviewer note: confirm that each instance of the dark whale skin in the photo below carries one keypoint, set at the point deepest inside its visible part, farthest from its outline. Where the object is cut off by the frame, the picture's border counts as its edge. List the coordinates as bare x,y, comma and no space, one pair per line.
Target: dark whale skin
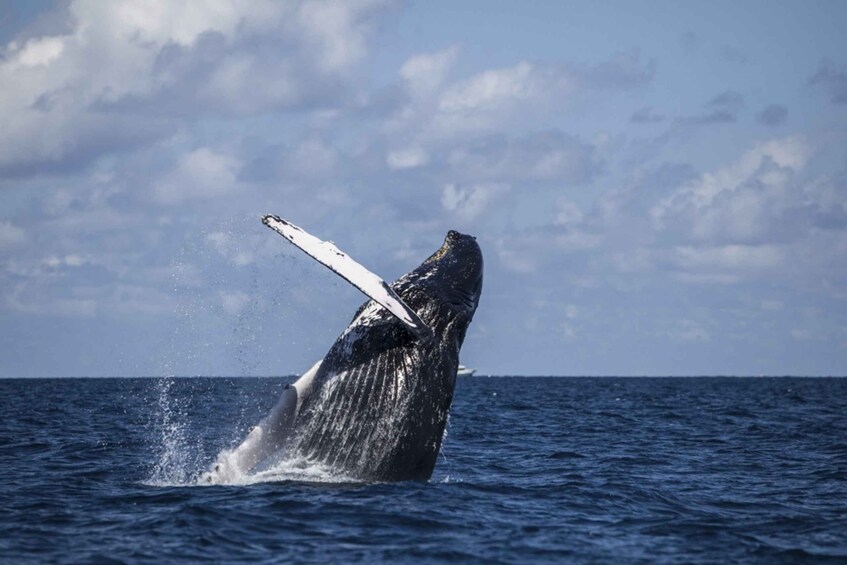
382,396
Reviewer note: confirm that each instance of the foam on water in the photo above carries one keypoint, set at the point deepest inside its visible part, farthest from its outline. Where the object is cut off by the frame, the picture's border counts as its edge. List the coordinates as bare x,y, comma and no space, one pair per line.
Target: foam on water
291,469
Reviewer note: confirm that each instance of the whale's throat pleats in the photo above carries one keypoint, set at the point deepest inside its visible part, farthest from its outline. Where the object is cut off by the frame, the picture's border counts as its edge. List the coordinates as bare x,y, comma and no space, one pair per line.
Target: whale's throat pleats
356,423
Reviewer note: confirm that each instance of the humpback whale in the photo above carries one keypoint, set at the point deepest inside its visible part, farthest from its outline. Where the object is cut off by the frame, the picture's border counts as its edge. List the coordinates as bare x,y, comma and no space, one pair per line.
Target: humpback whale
375,407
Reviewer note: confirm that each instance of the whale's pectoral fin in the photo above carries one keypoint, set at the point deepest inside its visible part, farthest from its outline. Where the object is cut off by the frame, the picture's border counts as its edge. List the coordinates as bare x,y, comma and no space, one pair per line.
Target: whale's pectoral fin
327,254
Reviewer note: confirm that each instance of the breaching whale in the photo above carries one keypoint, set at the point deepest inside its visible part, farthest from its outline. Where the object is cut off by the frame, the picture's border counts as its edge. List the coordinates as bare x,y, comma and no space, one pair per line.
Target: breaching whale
375,407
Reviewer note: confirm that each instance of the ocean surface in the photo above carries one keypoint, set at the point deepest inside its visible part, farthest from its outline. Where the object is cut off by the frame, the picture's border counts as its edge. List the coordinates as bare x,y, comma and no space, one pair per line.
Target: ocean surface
583,470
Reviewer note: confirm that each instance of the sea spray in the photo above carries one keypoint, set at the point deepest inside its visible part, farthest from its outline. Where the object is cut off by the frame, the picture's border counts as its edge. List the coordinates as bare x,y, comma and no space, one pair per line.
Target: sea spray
177,459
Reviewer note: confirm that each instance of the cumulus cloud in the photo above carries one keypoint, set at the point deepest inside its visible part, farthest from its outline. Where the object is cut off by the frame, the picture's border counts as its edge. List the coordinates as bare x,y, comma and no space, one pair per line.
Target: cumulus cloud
484,100
762,215
488,94
202,173
742,203
492,90
438,108
425,73
140,137
122,68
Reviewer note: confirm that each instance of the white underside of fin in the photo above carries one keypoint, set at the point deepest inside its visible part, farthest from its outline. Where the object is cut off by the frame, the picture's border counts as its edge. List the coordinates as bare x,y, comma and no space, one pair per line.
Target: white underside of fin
267,437
327,254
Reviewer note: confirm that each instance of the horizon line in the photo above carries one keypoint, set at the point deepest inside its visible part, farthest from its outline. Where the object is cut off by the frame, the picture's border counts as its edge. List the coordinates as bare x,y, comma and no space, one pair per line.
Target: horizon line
475,376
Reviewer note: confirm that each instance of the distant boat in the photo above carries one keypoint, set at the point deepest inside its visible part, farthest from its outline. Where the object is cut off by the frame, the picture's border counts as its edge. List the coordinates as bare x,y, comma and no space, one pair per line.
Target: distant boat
465,371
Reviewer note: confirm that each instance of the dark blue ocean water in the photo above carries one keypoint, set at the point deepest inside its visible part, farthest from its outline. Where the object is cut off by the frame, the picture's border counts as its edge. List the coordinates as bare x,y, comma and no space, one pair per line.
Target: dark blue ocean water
533,469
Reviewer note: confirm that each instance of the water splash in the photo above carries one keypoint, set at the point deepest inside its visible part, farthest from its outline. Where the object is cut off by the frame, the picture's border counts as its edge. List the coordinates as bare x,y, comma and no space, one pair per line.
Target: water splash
176,459
180,461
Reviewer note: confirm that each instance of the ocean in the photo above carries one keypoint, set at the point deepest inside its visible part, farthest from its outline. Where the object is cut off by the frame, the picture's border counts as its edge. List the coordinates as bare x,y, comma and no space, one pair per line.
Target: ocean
581,470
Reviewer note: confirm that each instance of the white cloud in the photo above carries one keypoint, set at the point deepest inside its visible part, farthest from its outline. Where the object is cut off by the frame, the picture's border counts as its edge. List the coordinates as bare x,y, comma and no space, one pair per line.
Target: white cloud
748,202
492,98
468,203
527,82
471,120
37,51
493,89
100,86
408,158
520,93
66,261
791,153
202,173
338,30
161,22
186,116
425,73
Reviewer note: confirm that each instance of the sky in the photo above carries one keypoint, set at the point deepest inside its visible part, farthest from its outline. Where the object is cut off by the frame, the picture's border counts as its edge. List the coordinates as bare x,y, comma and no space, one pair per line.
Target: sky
658,188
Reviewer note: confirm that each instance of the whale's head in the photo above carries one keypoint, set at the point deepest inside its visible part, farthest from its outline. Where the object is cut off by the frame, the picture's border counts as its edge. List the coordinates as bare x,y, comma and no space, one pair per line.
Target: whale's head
456,271
445,289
